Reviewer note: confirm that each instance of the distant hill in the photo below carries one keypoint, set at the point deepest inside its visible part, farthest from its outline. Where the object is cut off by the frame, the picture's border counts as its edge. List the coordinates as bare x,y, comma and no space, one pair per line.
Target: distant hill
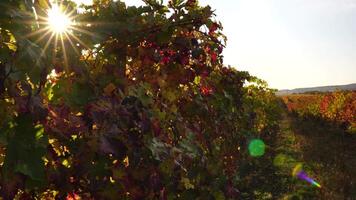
318,89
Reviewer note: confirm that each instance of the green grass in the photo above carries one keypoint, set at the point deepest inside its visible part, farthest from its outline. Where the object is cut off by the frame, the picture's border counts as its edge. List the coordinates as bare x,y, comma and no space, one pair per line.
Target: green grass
327,154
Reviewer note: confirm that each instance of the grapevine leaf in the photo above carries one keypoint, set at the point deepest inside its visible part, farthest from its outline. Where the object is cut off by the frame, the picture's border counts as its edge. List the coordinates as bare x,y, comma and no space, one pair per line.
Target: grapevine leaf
25,149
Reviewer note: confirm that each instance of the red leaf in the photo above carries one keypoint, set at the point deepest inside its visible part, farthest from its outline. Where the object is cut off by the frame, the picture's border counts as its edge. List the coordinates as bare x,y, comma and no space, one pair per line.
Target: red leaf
213,28
206,90
214,57
72,196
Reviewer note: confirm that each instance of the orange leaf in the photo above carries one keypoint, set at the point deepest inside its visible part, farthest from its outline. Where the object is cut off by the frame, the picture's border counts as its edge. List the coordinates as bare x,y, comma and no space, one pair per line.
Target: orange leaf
109,89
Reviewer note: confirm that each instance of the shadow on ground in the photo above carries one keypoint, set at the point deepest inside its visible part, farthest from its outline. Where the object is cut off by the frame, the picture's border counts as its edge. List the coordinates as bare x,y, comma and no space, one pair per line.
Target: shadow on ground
331,154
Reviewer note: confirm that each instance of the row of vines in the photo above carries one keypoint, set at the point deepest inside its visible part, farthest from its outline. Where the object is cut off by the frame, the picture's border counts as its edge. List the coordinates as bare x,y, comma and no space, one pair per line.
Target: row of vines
336,107
140,107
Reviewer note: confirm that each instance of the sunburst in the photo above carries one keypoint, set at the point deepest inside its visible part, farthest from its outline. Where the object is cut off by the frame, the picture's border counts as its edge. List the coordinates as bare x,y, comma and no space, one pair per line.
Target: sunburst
59,27
58,21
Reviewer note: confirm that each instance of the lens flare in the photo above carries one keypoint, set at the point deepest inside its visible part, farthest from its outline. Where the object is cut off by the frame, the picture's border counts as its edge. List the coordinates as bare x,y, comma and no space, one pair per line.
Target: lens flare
256,148
299,173
302,175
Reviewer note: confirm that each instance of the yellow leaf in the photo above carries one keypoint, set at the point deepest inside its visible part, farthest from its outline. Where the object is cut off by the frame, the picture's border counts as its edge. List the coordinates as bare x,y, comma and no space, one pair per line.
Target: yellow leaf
161,82
66,163
174,108
197,80
187,183
126,161
43,4
112,180
169,95
11,43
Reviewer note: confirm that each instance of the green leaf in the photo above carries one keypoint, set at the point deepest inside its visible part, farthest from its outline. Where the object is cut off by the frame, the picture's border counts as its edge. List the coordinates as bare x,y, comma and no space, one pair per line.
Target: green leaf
170,95
26,147
188,146
219,195
80,95
143,93
164,36
177,3
77,94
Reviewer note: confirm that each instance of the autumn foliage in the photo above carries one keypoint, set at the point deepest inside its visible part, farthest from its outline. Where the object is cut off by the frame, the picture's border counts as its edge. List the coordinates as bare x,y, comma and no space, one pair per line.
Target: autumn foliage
143,108
336,107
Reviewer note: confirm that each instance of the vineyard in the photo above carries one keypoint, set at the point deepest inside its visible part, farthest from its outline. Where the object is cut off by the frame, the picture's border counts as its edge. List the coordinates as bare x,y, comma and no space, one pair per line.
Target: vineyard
135,103
337,107
322,129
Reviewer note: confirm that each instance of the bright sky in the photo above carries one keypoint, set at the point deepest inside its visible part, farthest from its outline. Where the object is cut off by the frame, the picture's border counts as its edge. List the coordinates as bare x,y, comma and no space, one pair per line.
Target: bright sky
289,43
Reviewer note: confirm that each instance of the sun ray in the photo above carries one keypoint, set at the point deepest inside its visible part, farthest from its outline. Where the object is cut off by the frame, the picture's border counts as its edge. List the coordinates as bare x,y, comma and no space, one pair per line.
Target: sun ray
43,36
45,48
55,43
78,40
64,52
48,42
83,31
72,44
38,32
70,13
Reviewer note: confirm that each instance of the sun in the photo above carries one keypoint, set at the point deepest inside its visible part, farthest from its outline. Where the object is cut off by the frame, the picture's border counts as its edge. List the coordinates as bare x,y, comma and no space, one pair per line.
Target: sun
59,28
58,21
